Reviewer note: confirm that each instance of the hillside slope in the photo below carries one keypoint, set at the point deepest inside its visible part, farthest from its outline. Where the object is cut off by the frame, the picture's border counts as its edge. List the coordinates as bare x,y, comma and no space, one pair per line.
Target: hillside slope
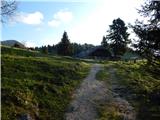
12,43
131,82
36,86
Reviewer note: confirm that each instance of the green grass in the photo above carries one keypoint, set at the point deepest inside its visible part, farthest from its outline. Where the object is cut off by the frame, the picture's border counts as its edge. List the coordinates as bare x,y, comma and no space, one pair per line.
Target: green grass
5,50
142,89
144,86
38,85
102,75
109,111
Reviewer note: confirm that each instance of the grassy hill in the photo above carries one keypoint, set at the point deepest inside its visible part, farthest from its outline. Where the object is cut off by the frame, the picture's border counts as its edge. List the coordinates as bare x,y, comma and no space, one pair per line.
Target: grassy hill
6,50
37,86
136,84
12,43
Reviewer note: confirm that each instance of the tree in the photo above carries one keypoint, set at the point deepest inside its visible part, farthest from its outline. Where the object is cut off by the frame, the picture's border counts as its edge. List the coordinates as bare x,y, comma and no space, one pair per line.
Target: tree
149,33
8,9
151,10
50,50
77,48
45,49
64,47
118,36
104,42
106,45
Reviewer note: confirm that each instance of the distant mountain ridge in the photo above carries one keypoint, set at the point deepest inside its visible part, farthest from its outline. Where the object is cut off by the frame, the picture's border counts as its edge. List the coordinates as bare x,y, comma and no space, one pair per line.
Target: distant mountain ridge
12,43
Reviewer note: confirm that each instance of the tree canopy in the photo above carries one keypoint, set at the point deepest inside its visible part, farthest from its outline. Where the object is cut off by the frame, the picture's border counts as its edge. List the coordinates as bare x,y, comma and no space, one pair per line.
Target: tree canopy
151,10
149,33
8,9
104,42
64,47
118,37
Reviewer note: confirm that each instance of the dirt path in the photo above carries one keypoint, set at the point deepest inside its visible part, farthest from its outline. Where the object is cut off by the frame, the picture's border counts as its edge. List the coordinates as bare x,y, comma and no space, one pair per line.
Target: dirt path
116,97
92,93
83,107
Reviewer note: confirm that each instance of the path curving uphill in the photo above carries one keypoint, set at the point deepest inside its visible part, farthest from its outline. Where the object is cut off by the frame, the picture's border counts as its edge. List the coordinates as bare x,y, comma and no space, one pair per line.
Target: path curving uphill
83,106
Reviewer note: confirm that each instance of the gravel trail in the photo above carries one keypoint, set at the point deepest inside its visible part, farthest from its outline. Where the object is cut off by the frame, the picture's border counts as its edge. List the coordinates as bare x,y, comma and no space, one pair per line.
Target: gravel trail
92,93
83,106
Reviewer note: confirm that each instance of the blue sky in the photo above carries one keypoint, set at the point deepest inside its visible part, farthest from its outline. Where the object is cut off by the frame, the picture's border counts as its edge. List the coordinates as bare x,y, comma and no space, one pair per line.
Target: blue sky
40,22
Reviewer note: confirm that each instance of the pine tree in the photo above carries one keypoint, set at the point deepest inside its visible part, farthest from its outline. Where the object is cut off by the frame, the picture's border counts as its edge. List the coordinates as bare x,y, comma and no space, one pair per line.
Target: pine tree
64,47
104,42
45,49
118,36
149,33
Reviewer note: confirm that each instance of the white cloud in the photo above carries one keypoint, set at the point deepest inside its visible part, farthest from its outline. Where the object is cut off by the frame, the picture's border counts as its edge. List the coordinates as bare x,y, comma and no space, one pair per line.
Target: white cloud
54,23
61,17
34,18
64,16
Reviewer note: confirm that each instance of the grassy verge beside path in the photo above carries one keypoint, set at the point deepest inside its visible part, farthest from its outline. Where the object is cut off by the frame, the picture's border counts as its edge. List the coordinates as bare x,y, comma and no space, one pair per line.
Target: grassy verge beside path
36,86
137,85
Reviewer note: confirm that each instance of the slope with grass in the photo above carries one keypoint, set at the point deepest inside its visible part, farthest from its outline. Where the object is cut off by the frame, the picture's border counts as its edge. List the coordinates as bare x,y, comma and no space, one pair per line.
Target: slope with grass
134,83
37,86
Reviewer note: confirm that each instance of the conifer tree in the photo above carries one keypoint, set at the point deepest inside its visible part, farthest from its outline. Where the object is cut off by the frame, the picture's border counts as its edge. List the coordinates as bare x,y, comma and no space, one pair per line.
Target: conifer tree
118,36
64,47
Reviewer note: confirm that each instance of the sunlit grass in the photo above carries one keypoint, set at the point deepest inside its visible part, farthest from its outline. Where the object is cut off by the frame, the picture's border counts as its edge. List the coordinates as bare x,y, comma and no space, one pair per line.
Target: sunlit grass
40,86
143,87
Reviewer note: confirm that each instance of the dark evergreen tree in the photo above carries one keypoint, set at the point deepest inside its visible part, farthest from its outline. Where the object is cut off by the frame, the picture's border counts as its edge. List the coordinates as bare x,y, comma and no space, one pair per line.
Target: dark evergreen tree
151,10
149,33
45,49
104,42
50,50
77,48
107,51
64,47
118,37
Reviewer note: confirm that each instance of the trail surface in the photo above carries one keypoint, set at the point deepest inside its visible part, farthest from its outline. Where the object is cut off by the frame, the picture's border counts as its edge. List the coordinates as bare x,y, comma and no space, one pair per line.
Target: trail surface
92,93
83,107
117,97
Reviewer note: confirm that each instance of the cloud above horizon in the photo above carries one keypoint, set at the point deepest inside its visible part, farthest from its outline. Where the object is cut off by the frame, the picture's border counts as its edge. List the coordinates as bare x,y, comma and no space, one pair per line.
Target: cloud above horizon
60,17
34,18
84,22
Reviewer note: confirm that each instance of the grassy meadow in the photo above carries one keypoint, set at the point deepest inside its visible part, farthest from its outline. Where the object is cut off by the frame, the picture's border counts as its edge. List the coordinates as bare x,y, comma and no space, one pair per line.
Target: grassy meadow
40,86
135,84
36,85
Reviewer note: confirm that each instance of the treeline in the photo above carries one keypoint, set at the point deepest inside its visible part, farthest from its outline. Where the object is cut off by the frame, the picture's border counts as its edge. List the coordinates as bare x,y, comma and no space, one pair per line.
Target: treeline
147,32
65,47
116,41
148,44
